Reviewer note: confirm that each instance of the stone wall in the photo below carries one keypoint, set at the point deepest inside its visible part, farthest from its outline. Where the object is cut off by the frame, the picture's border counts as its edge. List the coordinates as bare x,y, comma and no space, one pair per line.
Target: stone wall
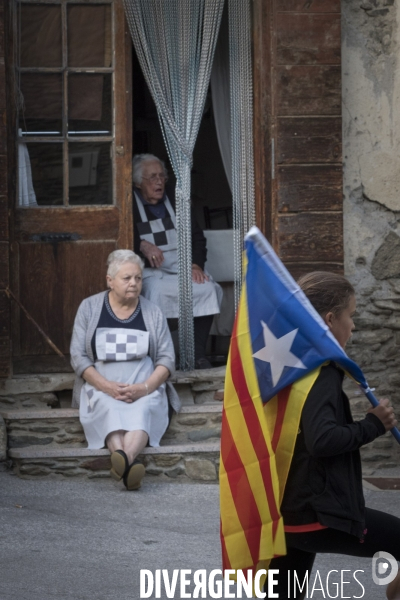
371,132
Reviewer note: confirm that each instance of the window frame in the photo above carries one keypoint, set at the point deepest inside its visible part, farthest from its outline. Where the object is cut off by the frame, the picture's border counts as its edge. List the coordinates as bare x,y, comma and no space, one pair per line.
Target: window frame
65,139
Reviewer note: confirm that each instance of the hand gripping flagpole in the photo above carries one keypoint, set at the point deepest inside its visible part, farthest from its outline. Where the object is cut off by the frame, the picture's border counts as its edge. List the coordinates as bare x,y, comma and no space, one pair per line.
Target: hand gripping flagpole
368,392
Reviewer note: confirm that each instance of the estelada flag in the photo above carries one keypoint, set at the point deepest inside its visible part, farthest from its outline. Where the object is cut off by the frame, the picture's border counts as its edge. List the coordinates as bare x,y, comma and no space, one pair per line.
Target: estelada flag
278,345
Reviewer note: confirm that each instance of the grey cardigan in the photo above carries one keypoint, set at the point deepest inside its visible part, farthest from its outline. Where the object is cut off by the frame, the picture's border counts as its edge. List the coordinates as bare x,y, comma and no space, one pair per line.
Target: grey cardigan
161,348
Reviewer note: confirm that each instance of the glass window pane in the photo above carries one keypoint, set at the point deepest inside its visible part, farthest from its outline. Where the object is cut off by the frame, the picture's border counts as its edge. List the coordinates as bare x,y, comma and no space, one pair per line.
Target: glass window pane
90,174
41,35
89,104
46,161
89,35
42,108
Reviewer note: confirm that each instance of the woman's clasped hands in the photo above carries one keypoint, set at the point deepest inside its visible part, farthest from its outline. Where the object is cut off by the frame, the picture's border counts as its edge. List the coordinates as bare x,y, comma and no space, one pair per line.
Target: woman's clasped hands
124,391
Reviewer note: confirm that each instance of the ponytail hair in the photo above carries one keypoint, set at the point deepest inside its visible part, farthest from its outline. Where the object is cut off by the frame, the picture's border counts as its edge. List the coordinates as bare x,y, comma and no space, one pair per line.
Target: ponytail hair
327,292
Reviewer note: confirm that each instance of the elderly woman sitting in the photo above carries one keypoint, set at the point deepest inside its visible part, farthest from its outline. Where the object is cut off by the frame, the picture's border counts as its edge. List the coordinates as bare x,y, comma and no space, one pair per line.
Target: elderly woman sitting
155,238
122,354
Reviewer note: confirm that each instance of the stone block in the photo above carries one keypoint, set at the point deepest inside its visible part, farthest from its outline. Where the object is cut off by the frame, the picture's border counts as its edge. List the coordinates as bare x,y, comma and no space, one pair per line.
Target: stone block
205,386
372,337
394,379
26,401
152,470
169,460
97,464
387,305
380,311
16,426
21,441
175,472
191,420
377,12
390,351
368,323
375,457
200,435
71,440
35,470
204,397
383,444
37,384
200,469
43,429
217,419
74,428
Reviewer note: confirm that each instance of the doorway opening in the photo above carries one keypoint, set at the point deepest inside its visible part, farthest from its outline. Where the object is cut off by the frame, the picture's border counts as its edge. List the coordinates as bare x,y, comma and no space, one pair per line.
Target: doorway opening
211,199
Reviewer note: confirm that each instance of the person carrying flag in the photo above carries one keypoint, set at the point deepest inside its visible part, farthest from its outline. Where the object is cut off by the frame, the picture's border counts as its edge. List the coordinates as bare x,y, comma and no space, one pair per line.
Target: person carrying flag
290,468
323,504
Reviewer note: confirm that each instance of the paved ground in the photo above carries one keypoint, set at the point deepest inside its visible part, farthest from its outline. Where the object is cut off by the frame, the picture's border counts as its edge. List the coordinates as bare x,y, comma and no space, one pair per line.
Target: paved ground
80,540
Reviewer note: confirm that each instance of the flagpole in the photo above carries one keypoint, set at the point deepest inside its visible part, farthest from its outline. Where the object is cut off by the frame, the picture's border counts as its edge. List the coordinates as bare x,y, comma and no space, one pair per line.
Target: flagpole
368,392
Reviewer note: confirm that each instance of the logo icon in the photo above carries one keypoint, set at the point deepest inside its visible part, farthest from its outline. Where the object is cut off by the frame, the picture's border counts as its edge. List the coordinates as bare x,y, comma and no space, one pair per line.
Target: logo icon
381,561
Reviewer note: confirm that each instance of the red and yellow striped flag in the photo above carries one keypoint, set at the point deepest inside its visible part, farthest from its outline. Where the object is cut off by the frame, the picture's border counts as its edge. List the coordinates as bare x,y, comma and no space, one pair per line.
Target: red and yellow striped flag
257,444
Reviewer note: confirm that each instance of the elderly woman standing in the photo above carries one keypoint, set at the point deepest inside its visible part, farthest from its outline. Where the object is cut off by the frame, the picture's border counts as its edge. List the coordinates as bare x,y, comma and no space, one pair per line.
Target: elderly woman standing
156,240
122,354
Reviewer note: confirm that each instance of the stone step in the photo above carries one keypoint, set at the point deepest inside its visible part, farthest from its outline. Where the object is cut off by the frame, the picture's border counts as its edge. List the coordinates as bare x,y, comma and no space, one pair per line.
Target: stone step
51,390
180,462
61,427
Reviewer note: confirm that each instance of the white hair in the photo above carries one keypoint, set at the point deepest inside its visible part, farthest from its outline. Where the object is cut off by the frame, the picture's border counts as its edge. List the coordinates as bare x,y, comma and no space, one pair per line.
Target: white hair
118,258
138,163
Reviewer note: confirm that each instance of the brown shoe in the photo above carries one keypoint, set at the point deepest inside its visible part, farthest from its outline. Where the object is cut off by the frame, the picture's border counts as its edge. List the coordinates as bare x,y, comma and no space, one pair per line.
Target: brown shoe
119,465
134,475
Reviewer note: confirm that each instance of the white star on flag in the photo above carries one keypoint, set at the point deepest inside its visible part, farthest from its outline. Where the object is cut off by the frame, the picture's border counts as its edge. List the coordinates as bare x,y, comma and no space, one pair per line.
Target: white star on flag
277,352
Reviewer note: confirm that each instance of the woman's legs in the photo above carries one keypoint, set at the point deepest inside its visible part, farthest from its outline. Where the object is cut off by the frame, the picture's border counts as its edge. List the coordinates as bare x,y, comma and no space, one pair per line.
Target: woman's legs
131,442
383,534
125,447
134,442
115,440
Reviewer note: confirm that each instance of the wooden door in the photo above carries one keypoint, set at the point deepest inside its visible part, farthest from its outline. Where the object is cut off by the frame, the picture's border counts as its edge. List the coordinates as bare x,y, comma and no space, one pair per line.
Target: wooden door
75,134
297,77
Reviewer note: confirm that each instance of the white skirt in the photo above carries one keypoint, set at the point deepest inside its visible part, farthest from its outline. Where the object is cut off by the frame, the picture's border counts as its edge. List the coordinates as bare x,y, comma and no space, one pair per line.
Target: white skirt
101,414
161,288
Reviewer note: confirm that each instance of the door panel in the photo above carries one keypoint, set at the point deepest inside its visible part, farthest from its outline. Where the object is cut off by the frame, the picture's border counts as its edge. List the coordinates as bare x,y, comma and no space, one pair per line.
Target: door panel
310,6
89,223
85,266
298,131
308,90
307,188
60,252
309,140
54,278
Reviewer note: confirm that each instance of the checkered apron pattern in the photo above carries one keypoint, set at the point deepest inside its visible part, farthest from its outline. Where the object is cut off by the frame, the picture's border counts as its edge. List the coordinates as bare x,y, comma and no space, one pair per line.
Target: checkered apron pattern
160,232
115,344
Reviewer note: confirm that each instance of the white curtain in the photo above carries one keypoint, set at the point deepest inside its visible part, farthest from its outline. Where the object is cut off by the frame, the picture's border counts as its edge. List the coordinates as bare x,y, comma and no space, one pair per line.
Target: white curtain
26,193
175,42
220,92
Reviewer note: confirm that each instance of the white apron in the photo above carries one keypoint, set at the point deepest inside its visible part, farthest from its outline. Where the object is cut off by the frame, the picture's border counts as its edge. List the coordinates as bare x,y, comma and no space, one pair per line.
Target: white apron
161,285
99,413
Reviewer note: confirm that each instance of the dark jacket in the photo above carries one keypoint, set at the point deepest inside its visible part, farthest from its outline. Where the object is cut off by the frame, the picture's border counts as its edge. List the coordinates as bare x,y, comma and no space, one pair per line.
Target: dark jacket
199,243
325,481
